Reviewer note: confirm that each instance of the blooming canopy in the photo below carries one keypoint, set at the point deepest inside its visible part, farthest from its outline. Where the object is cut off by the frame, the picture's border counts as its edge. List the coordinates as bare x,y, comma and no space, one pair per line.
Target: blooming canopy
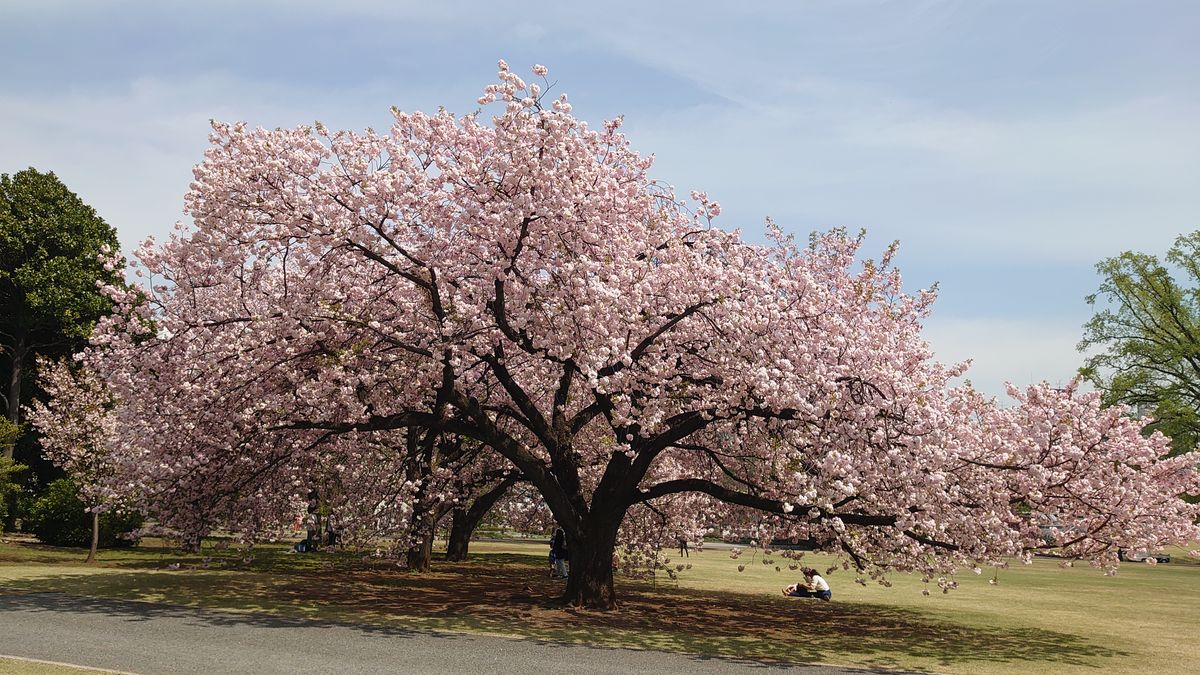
346,299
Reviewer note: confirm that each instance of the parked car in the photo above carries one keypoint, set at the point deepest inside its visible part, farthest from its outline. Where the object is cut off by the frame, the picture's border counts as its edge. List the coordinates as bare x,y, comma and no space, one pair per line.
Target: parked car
1142,556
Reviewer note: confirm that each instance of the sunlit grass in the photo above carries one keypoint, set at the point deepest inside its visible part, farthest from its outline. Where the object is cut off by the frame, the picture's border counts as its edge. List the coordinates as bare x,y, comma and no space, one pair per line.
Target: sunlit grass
1037,617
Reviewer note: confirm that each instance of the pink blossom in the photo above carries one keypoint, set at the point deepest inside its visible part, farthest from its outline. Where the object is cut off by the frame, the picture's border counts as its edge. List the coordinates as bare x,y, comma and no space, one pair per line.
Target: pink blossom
517,295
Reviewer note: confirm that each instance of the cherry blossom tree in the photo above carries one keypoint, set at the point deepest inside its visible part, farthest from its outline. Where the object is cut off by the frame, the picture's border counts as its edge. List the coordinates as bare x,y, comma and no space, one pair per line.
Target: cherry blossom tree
480,492
521,284
76,424
524,511
457,477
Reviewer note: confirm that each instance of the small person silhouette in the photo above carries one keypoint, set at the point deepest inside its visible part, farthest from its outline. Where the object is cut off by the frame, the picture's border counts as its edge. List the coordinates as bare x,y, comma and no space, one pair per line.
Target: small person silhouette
559,554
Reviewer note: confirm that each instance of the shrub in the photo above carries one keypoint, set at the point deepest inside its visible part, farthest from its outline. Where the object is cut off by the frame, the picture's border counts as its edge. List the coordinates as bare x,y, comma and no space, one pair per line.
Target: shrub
60,518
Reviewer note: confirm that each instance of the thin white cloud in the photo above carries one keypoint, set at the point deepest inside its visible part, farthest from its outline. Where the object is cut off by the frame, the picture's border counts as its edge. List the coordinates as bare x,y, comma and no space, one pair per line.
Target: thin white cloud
1075,185
1016,350
837,111
129,152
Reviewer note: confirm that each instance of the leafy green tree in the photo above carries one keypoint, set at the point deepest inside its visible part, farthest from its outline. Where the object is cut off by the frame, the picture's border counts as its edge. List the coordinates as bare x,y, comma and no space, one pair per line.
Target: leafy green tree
10,486
50,259
9,432
1147,327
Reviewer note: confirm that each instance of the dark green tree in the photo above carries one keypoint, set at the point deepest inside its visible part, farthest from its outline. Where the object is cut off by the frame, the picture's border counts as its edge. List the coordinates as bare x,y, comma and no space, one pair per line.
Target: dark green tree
50,248
1147,328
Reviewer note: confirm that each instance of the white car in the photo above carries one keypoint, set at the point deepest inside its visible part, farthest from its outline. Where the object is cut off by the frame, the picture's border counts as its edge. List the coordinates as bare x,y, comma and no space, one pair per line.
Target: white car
1142,556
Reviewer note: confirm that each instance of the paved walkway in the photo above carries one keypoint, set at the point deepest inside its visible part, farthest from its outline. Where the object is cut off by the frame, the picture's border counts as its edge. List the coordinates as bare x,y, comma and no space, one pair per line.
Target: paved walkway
149,638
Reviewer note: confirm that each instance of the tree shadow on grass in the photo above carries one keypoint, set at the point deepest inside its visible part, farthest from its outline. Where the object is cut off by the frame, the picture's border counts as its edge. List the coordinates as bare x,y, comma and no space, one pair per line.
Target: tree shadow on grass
127,610
511,594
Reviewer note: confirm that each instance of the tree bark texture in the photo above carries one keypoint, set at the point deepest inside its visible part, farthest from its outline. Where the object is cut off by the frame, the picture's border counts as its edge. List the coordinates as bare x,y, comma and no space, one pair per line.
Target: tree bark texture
20,351
590,580
420,554
460,535
91,558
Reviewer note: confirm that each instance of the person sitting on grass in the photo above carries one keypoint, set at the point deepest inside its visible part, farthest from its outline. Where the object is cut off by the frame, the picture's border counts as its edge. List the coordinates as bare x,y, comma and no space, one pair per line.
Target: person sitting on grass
814,586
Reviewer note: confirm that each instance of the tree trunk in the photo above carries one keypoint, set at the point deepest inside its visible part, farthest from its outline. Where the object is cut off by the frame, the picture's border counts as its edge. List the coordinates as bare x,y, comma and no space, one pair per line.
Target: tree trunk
590,580
95,537
464,521
420,554
461,529
19,351
424,528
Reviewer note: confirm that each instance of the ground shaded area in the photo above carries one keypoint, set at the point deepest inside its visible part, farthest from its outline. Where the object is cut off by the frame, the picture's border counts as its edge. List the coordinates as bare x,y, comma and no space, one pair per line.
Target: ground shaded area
511,594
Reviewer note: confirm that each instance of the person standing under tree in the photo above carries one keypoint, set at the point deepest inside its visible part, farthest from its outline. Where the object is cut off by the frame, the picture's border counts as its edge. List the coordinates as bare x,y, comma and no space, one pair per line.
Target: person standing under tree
333,534
683,546
559,553
313,522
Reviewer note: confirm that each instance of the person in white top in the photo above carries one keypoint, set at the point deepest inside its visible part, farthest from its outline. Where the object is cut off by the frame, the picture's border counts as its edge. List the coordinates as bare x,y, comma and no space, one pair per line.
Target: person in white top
814,586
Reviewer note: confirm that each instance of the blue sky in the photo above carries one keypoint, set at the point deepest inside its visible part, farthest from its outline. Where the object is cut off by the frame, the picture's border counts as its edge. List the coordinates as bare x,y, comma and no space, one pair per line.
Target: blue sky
1008,145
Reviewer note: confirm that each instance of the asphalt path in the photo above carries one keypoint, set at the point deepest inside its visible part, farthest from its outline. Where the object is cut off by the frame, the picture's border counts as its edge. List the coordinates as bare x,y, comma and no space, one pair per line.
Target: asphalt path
148,638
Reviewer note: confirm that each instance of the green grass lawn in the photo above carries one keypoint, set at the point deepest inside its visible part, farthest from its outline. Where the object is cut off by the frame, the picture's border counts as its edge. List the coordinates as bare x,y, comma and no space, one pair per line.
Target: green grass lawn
1036,618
